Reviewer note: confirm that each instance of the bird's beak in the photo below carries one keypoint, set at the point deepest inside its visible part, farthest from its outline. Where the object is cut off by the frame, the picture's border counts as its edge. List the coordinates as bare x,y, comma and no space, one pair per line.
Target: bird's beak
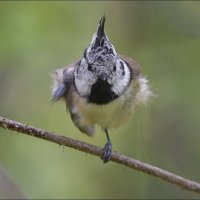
103,76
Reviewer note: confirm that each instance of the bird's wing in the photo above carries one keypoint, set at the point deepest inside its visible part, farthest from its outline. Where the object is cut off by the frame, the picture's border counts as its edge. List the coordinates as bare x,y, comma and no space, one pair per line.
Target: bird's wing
135,67
63,80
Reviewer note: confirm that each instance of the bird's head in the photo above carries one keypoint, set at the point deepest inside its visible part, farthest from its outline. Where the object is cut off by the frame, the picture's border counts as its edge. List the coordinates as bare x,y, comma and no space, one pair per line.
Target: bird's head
101,75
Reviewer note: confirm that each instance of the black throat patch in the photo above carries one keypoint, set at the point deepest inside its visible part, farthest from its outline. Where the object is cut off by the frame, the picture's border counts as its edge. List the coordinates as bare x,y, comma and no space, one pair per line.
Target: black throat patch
101,93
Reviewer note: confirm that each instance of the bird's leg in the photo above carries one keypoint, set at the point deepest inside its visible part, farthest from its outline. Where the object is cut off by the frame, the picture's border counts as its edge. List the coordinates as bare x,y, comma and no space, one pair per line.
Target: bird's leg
107,148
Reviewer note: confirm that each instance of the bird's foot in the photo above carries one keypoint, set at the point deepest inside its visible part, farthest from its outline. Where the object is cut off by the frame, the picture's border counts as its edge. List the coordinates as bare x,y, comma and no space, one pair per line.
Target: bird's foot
107,151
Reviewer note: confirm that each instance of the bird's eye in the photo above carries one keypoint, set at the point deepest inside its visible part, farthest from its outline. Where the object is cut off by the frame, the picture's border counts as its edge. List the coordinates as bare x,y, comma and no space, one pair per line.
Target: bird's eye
89,67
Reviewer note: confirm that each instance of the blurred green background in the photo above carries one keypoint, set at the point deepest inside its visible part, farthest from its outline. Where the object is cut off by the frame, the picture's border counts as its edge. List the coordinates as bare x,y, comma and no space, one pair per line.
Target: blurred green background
38,37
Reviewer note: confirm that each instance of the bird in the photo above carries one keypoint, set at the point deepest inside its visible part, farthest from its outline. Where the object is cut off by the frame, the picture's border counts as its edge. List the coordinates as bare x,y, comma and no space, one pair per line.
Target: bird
102,88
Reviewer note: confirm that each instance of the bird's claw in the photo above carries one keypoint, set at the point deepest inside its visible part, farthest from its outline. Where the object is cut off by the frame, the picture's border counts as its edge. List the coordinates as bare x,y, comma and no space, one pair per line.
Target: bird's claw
107,151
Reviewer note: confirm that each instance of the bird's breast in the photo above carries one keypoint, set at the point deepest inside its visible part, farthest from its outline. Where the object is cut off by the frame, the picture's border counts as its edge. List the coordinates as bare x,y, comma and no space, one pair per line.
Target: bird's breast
109,115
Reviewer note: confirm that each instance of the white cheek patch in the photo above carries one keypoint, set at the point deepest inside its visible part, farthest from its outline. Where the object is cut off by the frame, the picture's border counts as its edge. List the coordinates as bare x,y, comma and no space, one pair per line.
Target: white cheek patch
84,83
82,87
122,82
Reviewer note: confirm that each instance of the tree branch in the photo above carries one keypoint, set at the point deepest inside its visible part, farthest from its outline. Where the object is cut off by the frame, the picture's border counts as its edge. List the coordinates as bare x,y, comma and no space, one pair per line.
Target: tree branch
88,148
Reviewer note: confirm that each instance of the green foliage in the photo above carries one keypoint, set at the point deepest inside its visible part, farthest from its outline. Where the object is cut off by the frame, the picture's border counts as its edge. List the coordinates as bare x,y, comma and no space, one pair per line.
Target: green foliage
38,37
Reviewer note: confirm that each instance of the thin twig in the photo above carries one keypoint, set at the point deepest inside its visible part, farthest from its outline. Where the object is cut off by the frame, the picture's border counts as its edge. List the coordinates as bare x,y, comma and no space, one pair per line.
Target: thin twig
88,148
